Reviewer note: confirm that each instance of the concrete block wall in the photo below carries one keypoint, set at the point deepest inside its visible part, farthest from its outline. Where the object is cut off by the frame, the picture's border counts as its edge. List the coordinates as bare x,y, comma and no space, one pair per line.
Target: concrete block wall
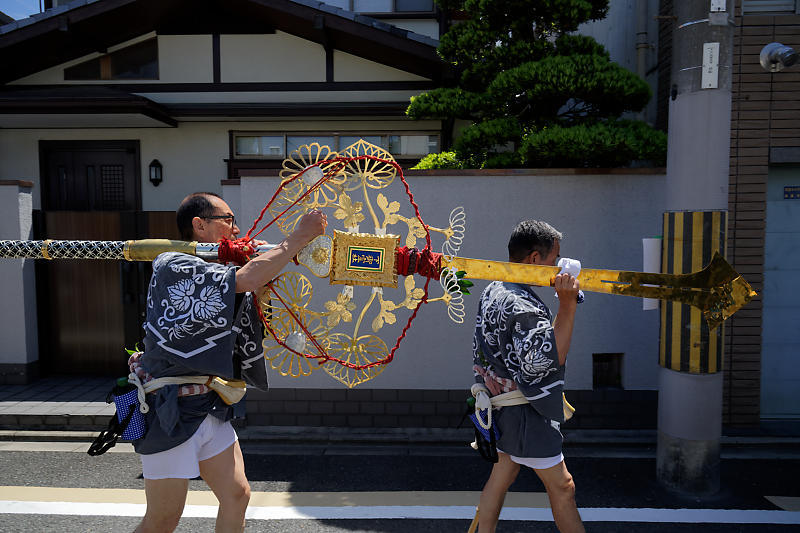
409,408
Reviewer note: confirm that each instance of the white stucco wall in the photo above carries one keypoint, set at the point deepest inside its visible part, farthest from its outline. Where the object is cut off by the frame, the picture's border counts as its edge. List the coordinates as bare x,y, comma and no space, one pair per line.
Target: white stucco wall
268,58
185,59
347,67
603,217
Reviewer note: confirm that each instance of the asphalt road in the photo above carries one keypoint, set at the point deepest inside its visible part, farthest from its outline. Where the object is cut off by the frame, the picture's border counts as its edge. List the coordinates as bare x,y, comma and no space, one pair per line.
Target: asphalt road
622,480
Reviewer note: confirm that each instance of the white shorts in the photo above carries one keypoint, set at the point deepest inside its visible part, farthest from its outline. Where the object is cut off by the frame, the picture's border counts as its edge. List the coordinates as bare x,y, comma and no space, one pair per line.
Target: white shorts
182,462
537,463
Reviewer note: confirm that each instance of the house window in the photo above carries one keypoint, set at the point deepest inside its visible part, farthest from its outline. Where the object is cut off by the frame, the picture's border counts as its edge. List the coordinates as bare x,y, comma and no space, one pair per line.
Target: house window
136,62
758,7
372,6
257,145
413,5
294,142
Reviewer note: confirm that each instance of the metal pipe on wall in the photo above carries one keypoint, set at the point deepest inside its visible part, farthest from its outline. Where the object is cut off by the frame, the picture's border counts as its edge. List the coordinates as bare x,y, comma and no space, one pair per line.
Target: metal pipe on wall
642,45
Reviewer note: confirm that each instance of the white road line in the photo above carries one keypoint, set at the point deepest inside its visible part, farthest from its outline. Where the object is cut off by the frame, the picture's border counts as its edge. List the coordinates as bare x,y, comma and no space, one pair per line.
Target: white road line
455,512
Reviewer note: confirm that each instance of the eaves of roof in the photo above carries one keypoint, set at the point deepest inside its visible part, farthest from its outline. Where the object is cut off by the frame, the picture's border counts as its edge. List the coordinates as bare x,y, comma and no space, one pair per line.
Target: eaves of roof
86,26
81,101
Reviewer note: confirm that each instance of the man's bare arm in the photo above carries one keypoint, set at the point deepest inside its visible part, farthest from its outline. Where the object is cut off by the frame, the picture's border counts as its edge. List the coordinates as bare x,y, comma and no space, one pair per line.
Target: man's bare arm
262,269
567,289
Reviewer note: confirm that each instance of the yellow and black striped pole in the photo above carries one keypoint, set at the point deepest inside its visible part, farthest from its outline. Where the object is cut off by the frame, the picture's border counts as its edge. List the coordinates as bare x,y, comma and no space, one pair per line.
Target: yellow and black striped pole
690,240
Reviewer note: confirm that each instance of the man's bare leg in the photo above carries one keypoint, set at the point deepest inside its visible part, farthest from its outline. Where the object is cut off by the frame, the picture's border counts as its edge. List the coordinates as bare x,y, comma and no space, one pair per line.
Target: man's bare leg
503,475
165,501
224,474
561,490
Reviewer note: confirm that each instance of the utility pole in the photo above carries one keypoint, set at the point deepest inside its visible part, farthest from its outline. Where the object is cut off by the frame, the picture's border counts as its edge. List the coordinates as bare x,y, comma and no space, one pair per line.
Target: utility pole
695,225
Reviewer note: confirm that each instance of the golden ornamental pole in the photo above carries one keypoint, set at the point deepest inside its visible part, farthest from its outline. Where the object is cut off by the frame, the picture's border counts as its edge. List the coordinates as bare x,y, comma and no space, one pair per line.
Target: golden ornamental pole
717,290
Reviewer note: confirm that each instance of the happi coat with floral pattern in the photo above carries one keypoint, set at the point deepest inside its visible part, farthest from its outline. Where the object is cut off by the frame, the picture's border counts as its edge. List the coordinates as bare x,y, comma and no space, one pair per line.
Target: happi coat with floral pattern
196,325
515,340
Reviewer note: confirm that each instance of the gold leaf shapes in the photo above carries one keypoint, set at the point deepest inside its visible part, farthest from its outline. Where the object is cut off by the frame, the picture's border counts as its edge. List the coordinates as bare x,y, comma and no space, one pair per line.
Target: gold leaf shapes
295,289
361,351
286,199
415,231
348,211
374,174
286,361
340,310
287,323
324,195
384,315
389,210
413,295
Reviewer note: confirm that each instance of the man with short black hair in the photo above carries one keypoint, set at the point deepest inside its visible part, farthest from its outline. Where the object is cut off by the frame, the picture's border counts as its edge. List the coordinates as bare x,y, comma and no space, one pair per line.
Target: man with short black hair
518,345
203,322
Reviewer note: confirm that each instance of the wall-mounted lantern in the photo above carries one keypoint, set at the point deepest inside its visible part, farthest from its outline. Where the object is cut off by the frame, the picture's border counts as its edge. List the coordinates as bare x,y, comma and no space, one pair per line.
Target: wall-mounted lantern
156,172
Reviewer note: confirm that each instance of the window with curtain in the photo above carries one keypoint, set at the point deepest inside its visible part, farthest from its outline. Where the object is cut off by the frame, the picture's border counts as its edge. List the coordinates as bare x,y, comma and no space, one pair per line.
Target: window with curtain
263,145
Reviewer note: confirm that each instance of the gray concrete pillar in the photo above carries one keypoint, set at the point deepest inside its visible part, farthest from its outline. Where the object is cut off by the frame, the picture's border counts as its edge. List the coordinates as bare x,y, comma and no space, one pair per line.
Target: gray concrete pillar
698,155
19,351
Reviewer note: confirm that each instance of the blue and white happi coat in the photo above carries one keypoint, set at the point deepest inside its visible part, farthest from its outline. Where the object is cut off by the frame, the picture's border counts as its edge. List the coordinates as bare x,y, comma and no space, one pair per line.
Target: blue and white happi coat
514,339
194,327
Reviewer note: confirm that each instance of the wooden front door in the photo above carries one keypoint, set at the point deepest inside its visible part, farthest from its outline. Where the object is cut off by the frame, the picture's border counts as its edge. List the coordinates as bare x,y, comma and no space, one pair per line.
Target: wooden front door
90,310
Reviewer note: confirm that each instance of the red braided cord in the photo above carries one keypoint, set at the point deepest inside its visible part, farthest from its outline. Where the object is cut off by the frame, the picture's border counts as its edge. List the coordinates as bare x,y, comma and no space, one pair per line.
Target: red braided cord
401,260
428,263
235,251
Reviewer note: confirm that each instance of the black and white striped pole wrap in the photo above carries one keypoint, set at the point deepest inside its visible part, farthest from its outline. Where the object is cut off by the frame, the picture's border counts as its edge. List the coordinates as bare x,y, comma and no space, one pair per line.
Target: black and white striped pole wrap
139,250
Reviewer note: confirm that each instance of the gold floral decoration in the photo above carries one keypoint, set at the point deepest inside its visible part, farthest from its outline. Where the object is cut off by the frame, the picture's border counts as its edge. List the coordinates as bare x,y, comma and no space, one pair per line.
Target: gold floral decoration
340,310
369,172
348,212
296,291
359,351
323,196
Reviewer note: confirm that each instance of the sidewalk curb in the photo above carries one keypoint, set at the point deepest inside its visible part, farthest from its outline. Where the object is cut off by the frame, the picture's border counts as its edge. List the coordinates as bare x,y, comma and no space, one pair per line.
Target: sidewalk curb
303,435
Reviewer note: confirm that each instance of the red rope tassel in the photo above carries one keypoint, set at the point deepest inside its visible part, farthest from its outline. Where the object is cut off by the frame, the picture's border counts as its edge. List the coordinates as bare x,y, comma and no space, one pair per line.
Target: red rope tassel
429,264
410,261
401,260
235,251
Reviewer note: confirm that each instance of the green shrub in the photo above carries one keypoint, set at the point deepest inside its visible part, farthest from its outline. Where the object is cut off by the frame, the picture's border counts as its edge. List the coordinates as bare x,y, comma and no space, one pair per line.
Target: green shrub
602,144
440,160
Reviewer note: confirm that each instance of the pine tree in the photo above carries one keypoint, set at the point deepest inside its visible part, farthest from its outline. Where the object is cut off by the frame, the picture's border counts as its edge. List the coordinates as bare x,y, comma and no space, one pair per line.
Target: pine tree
533,93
